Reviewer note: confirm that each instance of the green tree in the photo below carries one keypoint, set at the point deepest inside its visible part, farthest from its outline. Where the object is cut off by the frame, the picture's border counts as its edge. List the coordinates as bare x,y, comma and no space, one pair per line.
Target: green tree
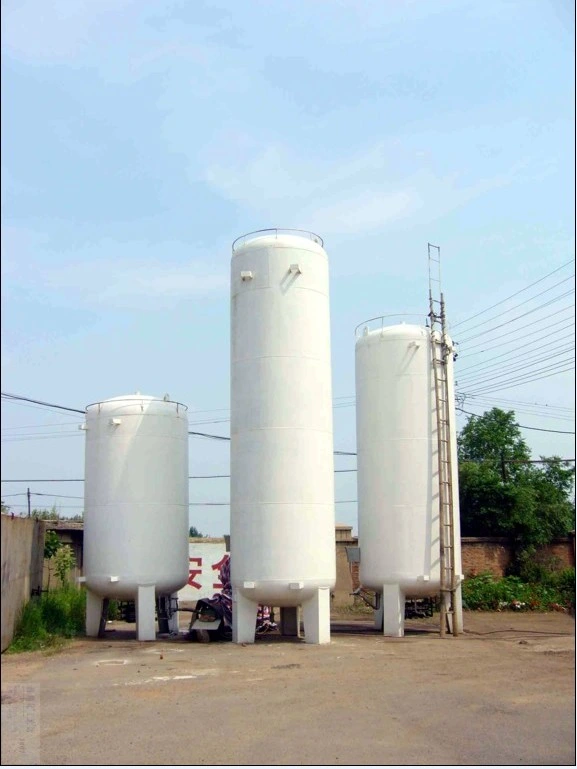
54,515
64,560
51,544
194,532
502,493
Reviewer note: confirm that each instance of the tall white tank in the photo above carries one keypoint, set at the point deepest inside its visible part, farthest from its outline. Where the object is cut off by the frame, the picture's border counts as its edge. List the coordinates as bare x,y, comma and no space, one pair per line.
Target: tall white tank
282,483
136,504
397,448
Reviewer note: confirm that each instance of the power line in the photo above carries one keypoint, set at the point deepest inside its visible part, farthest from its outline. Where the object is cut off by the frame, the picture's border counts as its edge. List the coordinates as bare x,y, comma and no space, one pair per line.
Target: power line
35,427
81,480
516,306
44,480
11,397
525,403
514,320
488,309
486,363
524,335
529,336
525,427
526,379
505,371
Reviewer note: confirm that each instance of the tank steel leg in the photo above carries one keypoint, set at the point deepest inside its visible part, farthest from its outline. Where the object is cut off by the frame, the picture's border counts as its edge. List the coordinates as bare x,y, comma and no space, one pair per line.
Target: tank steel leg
93,613
243,618
173,626
145,610
393,602
317,617
378,614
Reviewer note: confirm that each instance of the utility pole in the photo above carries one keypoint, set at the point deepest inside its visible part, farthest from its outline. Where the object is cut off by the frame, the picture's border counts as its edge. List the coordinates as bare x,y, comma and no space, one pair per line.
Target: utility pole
28,495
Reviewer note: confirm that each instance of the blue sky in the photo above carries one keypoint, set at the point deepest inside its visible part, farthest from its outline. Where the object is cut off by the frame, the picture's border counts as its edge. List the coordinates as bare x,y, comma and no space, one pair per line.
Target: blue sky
140,137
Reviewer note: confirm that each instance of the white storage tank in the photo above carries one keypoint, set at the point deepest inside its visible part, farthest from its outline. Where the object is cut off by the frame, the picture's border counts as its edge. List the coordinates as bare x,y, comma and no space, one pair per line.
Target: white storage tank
398,488
136,505
282,484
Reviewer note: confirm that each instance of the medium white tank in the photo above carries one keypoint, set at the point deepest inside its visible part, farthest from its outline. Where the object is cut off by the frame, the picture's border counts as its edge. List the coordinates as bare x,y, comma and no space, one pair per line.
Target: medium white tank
282,484
398,469
136,504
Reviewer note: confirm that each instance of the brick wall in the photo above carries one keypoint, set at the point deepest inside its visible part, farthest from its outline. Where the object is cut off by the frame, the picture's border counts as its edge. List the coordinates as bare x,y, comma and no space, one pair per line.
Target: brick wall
479,554
482,554
495,554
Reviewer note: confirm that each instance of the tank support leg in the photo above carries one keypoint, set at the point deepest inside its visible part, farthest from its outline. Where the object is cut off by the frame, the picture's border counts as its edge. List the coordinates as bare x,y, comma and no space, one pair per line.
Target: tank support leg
243,618
458,609
93,613
378,615
145,610
173,620
393,603
317,617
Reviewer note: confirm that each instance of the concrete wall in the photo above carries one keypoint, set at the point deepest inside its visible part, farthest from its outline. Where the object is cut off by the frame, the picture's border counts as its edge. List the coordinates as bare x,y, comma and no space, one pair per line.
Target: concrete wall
347,573
22,560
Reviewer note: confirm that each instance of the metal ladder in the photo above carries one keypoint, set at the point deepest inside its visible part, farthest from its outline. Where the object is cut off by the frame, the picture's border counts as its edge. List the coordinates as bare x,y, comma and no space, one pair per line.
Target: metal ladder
440,354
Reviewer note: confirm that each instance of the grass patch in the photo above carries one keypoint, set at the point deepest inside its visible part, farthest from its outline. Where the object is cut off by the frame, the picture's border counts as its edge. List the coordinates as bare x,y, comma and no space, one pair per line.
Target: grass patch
46,621
552,592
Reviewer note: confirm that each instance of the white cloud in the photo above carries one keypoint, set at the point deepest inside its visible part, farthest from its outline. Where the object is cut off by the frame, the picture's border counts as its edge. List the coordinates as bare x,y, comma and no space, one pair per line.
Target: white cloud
126,275
55,30
365,212
387,183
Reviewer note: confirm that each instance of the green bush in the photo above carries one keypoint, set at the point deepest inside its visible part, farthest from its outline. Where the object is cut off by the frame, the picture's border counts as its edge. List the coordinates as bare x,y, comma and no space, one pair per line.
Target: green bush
48,619
113,609
486,593
564,581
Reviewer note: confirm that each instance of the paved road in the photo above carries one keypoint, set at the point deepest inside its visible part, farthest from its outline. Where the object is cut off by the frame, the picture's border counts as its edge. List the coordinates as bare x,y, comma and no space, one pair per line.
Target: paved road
501,694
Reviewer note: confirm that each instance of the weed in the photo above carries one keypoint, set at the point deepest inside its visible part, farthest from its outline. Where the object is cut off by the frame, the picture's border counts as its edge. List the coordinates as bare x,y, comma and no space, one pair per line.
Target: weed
47,620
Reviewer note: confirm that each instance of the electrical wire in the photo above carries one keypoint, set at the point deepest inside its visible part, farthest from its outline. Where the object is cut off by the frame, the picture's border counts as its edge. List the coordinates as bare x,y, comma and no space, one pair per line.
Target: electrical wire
475,377
487,401
524,335
516,306
10,396
531,403
505,386
533,335
509,357
488,309
35,427
482,383
525,427
518,317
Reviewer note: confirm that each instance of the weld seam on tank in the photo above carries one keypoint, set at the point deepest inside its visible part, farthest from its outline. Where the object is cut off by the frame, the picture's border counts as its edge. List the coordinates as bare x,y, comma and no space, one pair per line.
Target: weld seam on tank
292,504
273,427
294,287
294,357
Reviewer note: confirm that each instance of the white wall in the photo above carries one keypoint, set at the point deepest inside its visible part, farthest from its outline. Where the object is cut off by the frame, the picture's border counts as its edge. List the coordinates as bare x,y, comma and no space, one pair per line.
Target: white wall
202,577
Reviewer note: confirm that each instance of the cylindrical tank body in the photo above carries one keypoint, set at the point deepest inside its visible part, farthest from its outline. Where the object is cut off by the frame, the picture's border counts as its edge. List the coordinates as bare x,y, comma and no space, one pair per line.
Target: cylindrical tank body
397,447
282,485
136,496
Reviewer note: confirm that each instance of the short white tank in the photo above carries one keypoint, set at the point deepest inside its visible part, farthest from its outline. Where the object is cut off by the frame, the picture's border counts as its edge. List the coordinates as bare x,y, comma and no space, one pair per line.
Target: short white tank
398,462
282,484
136,496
